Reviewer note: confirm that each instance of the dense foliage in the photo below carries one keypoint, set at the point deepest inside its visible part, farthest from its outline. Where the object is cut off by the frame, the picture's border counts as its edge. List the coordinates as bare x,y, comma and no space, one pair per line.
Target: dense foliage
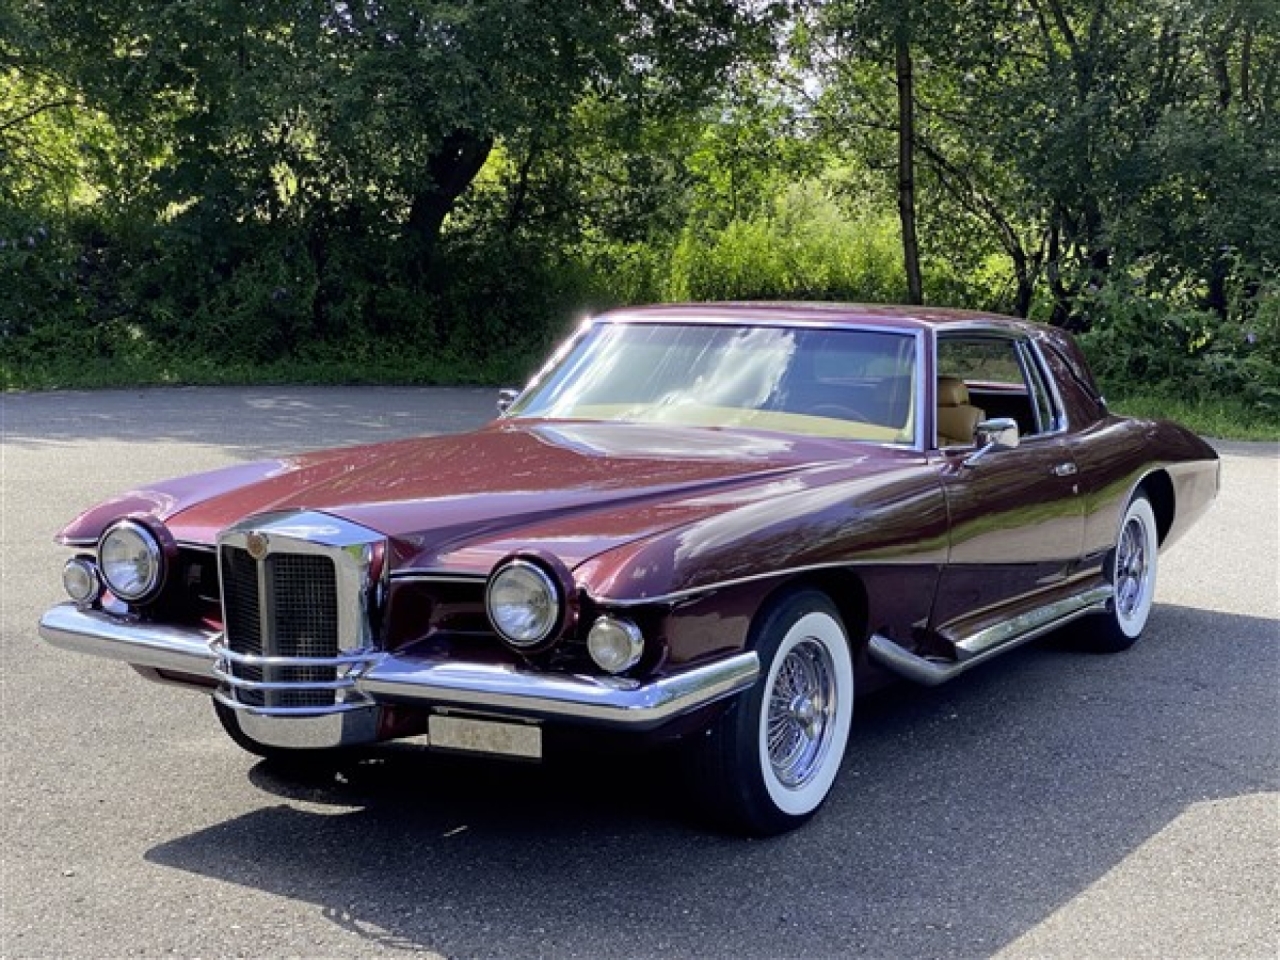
433,189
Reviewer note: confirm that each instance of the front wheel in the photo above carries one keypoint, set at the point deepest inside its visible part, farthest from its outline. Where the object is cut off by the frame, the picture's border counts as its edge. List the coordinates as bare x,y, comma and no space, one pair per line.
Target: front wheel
768,763
1132,568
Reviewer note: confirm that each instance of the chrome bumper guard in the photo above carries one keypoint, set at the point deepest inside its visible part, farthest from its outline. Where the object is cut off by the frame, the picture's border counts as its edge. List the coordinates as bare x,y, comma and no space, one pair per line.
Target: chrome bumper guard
367,680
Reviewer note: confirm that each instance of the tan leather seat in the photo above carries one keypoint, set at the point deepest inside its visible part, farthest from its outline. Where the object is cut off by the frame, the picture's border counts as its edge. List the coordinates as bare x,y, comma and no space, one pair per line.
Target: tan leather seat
957,418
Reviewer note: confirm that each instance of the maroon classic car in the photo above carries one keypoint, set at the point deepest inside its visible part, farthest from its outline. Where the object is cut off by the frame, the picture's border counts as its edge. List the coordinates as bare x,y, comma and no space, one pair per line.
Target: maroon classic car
710,524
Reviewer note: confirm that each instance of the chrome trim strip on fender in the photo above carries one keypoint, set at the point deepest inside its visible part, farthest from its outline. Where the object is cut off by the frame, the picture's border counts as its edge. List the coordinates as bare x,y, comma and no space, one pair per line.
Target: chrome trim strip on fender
930,672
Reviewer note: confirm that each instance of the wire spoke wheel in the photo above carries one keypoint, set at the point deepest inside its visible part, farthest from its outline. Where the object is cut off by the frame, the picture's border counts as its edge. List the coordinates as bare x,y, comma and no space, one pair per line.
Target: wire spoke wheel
801,705
768,764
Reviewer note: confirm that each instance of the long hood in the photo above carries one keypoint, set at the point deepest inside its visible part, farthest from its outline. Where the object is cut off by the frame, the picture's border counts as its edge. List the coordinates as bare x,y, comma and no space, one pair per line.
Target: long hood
462,502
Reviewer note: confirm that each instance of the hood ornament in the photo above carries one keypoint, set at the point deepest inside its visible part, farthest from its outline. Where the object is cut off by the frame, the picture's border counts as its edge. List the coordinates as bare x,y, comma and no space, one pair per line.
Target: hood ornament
257,545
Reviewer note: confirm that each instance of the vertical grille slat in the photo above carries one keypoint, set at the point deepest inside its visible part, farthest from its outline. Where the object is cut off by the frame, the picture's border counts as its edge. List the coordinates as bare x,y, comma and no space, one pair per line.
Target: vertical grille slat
241,609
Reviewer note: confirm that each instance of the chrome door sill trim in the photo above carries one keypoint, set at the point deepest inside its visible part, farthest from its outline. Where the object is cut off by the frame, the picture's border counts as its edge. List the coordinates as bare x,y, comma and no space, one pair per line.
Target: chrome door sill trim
931,673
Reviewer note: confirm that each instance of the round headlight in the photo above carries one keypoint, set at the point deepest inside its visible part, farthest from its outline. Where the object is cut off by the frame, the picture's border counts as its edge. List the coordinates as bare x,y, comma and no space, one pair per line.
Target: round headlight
130,560
80,580
615,645
523,603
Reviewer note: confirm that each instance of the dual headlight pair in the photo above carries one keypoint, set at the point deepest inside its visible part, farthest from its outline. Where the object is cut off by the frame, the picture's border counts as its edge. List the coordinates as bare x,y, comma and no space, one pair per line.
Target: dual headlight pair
130,563
524,602
528,607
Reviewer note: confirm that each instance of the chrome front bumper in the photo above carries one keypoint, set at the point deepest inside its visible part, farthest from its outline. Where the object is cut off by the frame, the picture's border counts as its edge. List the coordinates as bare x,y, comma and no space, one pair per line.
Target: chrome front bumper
384,678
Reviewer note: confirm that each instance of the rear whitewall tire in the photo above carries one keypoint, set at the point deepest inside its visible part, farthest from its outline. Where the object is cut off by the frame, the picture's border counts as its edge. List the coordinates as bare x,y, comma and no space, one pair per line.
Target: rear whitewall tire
1131,568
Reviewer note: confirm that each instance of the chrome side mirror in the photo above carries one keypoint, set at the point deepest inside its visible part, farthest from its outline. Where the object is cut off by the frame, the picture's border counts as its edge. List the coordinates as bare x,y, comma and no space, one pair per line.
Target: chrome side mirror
506,397
998,433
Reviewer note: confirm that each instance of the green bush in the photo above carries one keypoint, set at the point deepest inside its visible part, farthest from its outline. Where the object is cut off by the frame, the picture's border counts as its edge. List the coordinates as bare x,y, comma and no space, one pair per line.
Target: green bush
1143,345
806,249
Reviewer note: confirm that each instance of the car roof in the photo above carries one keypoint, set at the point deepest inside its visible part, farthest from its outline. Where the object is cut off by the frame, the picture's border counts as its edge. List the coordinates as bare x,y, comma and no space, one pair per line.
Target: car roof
816,314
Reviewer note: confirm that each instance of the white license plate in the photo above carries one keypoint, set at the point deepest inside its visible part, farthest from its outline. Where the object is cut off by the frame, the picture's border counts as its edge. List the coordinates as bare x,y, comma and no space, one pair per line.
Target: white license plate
485,736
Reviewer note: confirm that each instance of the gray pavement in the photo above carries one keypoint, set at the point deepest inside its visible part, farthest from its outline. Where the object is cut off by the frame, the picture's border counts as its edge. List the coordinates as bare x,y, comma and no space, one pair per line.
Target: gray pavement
1051,804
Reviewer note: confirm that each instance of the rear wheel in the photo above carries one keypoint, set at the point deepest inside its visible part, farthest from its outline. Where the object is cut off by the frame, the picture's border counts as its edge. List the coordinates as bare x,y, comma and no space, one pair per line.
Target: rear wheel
770,761
1131,568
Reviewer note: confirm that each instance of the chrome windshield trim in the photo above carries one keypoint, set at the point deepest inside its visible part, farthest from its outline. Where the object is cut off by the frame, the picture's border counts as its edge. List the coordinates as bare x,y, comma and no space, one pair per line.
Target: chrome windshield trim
915,331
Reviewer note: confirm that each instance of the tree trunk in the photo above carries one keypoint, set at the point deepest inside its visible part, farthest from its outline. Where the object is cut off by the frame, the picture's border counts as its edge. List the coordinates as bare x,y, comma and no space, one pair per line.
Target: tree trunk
906,167
450,171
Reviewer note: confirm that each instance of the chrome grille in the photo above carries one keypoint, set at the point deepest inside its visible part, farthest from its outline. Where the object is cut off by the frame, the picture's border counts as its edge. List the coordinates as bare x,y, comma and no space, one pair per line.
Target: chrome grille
298,628
301,603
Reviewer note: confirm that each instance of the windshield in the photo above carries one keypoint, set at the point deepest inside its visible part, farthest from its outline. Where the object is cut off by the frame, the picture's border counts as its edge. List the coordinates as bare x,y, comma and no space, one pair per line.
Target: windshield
852,384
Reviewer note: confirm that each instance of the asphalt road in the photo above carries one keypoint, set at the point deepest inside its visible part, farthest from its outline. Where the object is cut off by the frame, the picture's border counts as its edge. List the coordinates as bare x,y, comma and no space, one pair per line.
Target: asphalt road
1051,804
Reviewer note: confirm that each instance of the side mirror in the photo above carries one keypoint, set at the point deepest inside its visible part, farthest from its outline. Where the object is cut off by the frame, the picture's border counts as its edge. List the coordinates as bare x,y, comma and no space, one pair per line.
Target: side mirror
1001,433
998,433
506,397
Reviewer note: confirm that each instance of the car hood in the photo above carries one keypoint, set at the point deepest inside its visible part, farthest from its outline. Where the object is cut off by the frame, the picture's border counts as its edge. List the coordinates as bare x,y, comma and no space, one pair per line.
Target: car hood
463,502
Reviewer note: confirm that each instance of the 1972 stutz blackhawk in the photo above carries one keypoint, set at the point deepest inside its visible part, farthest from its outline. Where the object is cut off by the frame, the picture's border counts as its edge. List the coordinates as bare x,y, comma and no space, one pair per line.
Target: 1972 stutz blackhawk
713,524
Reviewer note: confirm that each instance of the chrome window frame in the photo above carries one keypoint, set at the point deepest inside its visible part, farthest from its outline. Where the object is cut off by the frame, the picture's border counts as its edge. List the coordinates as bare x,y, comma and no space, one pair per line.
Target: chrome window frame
1026,350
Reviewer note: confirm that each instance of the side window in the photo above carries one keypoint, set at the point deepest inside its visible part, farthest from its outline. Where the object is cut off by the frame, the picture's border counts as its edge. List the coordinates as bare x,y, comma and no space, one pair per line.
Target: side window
1003,378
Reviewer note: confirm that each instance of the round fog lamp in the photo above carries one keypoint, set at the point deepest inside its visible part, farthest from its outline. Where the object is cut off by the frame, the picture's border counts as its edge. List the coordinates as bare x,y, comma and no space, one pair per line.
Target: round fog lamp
615,645
80,580
129,558
523,603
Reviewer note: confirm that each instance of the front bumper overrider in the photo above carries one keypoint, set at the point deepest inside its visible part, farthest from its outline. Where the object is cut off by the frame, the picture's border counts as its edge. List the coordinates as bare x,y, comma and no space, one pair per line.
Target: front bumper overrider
378,678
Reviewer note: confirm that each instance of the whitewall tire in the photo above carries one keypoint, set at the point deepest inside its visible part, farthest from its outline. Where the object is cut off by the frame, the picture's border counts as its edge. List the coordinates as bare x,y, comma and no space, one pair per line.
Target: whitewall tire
769,763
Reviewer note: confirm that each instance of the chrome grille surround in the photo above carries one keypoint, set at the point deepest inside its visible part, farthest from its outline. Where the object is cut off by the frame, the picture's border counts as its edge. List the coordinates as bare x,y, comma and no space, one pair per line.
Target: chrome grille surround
300,592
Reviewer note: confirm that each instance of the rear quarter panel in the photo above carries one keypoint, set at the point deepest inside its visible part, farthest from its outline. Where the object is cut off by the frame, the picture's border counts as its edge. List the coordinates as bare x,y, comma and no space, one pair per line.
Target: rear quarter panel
1115,455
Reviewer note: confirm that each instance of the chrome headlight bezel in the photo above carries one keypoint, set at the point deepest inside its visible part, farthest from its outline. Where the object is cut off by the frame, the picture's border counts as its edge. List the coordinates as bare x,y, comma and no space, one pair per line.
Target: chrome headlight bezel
615,644
529,622
144,546
81,580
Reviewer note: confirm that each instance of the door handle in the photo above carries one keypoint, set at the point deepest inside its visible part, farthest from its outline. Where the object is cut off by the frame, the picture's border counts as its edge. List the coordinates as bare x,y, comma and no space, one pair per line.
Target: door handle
1065,470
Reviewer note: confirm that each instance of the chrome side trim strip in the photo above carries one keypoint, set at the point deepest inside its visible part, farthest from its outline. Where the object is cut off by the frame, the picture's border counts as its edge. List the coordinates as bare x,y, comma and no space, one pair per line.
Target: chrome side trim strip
930,673
436,576
1001,633
666,599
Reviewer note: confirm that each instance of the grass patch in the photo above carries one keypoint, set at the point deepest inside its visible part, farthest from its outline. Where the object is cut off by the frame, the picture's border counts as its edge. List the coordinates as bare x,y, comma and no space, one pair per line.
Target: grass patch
377,368
1223,419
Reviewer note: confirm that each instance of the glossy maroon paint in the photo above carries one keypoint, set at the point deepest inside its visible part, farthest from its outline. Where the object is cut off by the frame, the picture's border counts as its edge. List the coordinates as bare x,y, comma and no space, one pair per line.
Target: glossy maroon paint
691,529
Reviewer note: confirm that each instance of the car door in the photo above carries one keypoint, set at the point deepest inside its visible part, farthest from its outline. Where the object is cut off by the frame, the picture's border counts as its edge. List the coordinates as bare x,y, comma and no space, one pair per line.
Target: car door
1016,515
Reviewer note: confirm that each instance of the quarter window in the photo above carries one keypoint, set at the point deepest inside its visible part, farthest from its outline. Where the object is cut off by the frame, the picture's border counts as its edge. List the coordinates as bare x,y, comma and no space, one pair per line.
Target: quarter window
1004,378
